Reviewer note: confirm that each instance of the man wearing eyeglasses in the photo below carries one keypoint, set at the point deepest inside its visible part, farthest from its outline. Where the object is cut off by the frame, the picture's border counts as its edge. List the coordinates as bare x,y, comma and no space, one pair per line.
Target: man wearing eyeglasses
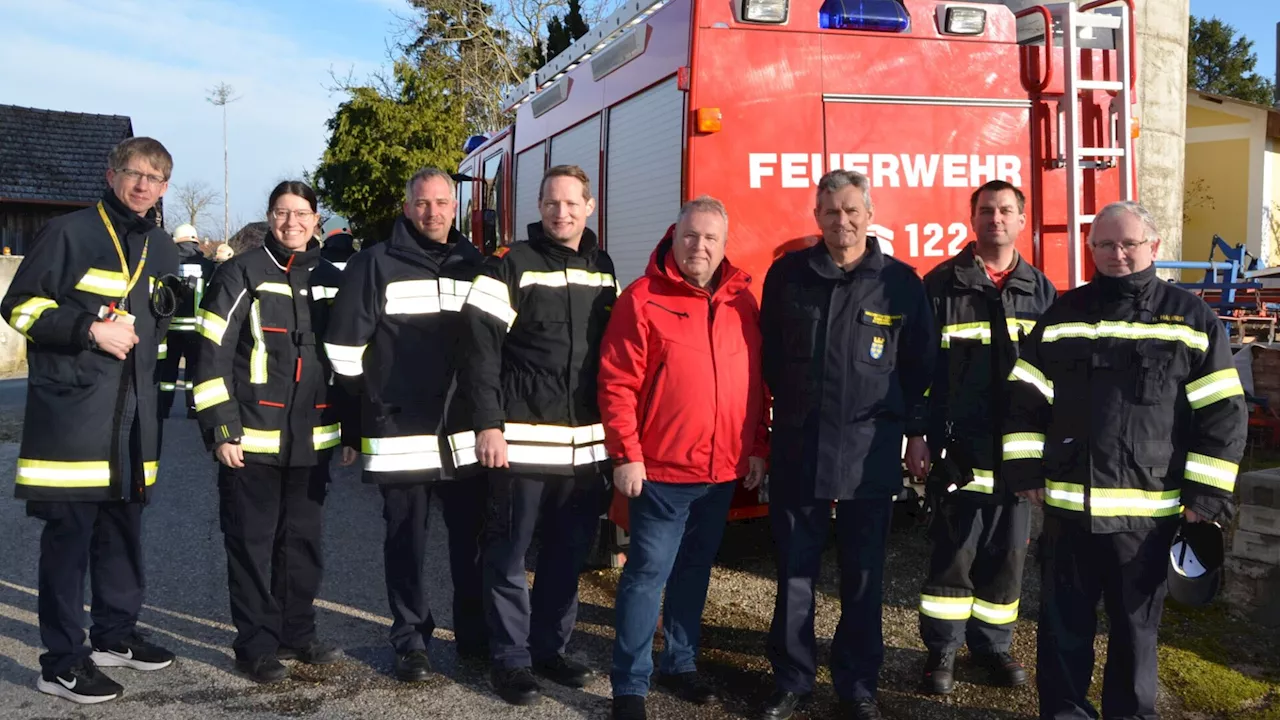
86,300
1126,414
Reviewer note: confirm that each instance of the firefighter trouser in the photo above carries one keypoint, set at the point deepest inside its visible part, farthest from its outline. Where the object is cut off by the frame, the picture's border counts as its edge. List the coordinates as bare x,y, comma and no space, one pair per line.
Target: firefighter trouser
525,625
800,533
1127,571
106,540
181,344
407,510
271,523
975,574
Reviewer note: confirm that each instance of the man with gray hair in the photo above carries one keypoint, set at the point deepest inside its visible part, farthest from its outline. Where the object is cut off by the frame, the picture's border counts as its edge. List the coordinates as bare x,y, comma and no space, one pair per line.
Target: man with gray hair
849,352
393,340
691,320
1126,414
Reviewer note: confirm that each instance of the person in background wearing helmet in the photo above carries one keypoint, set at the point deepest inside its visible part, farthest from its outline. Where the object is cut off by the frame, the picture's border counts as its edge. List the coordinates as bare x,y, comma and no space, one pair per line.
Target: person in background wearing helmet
338,247
986,300
223,253
1125,408
179,345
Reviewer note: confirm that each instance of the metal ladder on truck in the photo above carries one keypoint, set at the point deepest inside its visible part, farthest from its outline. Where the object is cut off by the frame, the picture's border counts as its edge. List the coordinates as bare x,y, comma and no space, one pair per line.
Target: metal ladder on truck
1078,26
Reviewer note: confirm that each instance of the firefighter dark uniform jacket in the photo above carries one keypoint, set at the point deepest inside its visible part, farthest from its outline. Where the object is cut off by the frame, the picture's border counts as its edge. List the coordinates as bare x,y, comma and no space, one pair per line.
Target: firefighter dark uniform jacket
74,445
980,327
261,373
194,271
536,315
394,340
847,357
1126,406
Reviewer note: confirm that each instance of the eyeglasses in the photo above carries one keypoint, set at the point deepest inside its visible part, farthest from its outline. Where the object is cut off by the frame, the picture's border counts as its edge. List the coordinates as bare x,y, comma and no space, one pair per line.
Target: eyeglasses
137,176
302,215
1129,247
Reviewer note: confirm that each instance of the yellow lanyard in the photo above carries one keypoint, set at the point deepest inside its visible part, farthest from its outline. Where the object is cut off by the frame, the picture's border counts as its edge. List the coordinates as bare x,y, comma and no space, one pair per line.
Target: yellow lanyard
124,263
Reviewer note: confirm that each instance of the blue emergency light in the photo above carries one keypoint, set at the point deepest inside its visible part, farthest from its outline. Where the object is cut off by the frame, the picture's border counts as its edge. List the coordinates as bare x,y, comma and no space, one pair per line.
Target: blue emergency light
874,15
474,142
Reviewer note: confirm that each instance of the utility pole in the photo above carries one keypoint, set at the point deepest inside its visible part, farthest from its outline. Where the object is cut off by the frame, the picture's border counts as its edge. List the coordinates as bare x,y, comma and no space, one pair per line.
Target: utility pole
220,96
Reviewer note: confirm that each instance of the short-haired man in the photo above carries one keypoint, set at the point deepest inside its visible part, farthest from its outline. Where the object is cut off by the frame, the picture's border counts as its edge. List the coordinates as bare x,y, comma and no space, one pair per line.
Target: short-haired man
683,406
849,346
1126,412
537,313
985,301
394,340
86,300
179,346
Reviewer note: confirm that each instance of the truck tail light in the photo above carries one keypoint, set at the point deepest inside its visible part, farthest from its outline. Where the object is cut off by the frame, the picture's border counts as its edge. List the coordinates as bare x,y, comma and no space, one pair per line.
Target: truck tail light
763,11
874,15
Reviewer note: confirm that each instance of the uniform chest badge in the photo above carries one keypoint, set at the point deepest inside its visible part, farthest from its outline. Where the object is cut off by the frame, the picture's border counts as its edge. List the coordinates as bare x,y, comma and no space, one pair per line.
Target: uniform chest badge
877,348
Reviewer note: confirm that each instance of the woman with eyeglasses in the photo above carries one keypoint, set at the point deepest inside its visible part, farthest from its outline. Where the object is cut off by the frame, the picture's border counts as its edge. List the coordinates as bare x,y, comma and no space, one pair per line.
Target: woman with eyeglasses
267,411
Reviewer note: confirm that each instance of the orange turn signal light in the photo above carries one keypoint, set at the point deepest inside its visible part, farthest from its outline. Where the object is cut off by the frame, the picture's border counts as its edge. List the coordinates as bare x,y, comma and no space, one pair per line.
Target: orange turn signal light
1135,128
708,119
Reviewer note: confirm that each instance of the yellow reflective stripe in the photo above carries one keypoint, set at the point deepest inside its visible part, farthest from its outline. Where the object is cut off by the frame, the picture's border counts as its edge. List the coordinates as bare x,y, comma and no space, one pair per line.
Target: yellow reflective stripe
168,387
210,393
1117,502
346,360
1188,336
966,331
398,445
946,608
1214,387
590,454
1211,471
211,326
276,288
257,356
555,434
539,454
323,292
491,296
1028,373
104,282
260,441
28,312
326,436
163,351
453,293
150,470
995,613
1066,496
463,445
984,481
53,473
413,297
1021,446
570,276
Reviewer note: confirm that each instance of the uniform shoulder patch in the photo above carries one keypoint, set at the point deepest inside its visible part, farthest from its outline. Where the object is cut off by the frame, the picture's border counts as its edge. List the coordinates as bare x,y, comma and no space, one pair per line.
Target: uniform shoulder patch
502,251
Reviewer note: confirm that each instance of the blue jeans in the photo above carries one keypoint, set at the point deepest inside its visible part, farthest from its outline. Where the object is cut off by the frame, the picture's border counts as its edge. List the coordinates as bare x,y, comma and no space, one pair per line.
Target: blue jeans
675,534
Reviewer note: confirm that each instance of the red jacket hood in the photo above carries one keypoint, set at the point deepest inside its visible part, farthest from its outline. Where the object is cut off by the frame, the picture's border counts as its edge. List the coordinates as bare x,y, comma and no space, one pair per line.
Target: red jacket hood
662,268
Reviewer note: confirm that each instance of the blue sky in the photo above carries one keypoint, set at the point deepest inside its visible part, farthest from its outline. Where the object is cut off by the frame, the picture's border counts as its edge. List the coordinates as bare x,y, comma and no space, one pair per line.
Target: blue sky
154,60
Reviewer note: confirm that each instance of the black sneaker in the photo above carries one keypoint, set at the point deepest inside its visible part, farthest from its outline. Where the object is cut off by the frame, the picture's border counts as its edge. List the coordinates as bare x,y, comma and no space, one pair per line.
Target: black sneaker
1001,669
413,666
266,669
688,686
628,707
133,652
515,685
317,653
81,683
562,670
939,673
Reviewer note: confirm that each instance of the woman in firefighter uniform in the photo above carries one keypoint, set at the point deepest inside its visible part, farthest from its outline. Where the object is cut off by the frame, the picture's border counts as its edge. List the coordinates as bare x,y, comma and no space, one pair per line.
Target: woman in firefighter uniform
266,410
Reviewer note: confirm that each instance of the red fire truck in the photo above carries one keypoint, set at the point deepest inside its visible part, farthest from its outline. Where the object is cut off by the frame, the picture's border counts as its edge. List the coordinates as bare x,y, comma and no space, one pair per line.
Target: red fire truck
751,101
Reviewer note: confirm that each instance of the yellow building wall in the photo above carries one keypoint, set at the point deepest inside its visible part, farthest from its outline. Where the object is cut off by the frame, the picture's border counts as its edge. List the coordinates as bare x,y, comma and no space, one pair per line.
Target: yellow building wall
1217,198
1272,244
1202,117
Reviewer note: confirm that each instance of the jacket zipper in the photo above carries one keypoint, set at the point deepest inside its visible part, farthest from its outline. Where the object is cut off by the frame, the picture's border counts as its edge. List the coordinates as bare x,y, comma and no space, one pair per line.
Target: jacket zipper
715,380
677,313
648,403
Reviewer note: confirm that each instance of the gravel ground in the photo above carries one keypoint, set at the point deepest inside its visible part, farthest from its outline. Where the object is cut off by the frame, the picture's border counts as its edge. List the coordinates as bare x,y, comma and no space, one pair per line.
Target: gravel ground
187,610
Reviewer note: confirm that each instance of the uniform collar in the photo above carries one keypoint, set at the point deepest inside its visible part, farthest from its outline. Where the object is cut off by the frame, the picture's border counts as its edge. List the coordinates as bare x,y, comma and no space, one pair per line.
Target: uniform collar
971,272
822,263
127,218
288,260
405,243
588,247
1130,286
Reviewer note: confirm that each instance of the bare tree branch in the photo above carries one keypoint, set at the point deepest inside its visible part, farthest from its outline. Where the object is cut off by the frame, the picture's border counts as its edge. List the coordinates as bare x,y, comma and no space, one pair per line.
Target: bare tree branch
191,203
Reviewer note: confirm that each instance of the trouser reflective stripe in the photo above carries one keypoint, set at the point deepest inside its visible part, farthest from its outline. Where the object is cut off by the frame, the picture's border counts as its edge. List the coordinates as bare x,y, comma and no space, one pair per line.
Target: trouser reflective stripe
995,613
946,608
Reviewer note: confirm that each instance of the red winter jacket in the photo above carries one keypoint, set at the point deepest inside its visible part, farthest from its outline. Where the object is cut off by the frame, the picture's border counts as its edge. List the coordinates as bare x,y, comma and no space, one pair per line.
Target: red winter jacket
680,379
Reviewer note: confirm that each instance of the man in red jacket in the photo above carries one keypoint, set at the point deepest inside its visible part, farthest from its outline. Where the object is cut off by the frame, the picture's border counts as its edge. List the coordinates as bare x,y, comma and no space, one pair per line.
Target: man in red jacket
688,329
